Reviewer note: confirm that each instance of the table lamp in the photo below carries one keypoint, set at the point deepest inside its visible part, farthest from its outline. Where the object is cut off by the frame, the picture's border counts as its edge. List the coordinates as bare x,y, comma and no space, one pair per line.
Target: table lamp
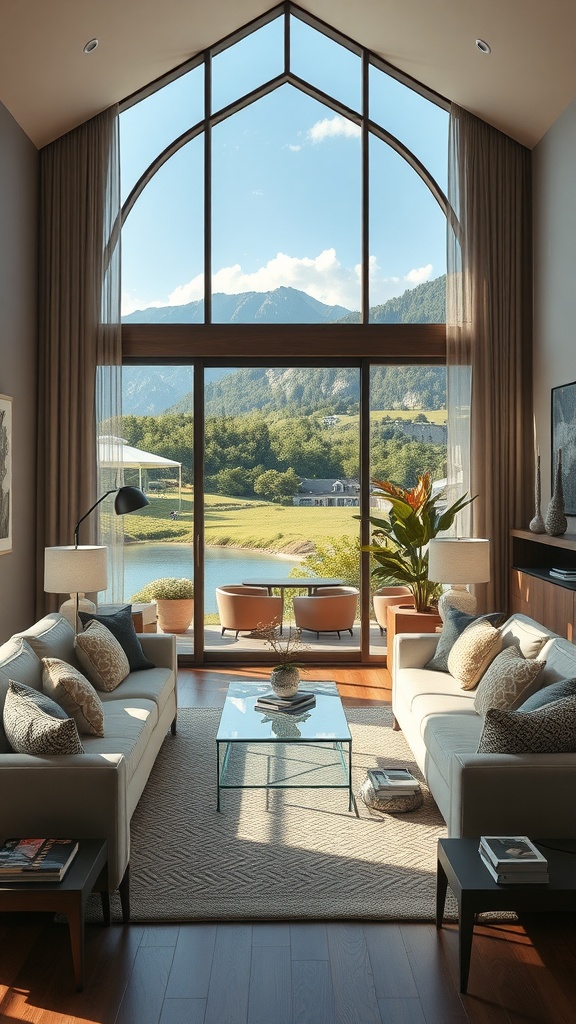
76,571
458,561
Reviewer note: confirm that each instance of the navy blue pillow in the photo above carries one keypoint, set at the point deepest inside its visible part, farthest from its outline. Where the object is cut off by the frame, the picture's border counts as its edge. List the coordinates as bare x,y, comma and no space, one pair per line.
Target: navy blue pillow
455,622
548,694
121,626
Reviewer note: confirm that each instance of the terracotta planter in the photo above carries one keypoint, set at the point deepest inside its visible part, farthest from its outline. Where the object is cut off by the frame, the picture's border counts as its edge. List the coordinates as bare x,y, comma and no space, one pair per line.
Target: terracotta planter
175,616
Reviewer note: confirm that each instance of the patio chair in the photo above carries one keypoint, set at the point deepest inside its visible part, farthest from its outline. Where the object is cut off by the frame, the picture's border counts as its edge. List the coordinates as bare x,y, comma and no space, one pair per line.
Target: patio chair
386,596
245,608
329,610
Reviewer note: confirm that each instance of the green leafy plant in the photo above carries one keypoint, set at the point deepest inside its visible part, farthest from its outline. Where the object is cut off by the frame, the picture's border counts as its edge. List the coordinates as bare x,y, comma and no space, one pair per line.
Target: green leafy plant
400,541
169,588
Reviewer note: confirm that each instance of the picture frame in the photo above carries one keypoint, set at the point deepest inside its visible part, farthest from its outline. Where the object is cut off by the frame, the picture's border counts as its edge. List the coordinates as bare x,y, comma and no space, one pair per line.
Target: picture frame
564,437
6,515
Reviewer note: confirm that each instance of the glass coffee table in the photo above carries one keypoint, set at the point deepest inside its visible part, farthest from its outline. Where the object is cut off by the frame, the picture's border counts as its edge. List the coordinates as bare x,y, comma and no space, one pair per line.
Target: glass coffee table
256,750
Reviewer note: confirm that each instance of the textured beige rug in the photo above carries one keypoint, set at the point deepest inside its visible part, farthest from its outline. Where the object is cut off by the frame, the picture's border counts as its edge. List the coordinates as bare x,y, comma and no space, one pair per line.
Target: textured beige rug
287,854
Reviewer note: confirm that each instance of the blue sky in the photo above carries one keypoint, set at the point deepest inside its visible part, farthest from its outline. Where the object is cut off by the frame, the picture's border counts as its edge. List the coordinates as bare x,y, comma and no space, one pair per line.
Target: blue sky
286,183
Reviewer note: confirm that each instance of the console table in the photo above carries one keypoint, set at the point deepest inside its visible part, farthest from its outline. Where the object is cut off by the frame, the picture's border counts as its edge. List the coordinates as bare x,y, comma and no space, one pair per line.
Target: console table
533,591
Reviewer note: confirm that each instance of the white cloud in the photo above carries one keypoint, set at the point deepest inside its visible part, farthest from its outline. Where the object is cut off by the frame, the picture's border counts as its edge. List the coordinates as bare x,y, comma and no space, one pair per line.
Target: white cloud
331,128
293,149
419,274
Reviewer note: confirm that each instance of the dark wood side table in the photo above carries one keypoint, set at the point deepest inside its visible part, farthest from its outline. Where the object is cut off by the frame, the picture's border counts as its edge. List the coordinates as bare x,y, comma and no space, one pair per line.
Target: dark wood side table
460,867
67,897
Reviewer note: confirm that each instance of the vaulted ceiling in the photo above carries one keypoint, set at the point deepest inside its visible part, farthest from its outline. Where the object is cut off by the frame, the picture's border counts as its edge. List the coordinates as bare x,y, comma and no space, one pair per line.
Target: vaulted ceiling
50,85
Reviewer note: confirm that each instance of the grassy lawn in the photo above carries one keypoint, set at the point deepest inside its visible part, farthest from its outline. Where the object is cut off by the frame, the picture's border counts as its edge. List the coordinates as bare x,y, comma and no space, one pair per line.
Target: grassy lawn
432,415
236,522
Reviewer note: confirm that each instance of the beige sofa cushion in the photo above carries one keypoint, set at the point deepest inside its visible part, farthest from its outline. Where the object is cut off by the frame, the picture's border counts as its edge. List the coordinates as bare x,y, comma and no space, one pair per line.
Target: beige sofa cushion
507,681
527,637
73,692
473,651
101,656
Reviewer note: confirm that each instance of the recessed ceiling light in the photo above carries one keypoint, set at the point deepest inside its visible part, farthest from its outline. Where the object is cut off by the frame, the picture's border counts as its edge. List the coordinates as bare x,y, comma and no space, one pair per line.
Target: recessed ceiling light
90,45
483,46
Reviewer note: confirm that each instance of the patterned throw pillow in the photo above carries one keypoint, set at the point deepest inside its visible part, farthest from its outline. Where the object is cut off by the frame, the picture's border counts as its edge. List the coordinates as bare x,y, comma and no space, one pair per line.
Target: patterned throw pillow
548,694
507,681
548,730
72,691
101,656
455,622
473,651
34,724
121,626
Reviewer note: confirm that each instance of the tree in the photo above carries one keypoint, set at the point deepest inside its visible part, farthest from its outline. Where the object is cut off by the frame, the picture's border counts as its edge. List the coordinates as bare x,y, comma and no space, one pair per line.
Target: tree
275,486
338,557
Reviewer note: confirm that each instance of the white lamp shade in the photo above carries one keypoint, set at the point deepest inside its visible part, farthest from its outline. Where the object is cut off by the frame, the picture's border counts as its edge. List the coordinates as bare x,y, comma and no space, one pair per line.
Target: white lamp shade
73,570
459,560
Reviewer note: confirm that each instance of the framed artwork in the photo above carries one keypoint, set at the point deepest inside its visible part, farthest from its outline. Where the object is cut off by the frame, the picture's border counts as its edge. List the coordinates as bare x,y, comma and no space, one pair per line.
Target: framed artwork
564,437
5,475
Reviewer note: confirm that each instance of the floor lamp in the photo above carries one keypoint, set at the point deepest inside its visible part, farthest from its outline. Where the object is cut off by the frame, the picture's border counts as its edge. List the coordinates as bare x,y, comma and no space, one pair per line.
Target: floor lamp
458,561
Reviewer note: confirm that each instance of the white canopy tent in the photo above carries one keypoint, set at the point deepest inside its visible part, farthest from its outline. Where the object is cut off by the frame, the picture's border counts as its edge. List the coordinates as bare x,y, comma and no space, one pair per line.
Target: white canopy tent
116,453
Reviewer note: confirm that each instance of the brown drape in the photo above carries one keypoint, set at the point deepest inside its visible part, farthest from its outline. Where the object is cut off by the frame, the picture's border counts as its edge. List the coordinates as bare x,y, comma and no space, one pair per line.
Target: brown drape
79,327
489,335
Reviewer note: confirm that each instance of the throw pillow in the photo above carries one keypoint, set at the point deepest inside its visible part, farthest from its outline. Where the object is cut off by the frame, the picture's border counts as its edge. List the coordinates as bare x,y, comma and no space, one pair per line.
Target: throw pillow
507,681
34,724
455,622
473,651
101,656
530,639
548,694
548,730
121,626
72,691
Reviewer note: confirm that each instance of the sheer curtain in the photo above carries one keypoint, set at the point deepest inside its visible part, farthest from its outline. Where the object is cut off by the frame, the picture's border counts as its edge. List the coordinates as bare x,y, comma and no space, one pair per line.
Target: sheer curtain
489,337
80,352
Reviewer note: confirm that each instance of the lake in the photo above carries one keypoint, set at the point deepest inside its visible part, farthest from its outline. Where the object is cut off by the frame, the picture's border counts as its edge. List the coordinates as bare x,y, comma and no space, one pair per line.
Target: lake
146,562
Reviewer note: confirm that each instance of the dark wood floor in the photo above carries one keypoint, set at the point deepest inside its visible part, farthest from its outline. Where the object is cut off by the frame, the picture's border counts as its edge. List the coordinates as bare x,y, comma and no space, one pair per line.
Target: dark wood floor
289,973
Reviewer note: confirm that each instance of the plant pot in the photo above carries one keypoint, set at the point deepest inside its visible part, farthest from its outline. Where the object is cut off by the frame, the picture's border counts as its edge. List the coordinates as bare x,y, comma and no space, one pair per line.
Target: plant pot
175,616
284,680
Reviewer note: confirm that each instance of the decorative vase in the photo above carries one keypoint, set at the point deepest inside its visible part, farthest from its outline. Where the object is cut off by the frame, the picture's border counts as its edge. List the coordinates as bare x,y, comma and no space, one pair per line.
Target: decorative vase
284,680
555,522
175,616
537,523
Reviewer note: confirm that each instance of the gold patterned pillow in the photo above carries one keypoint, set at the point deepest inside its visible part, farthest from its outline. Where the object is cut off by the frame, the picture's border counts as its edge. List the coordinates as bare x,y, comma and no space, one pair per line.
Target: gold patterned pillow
473,651
101,656
72,691
508,681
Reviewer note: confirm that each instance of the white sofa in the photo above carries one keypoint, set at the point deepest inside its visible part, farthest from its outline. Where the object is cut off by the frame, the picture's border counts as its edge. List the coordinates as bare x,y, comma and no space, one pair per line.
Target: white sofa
94,794
482,794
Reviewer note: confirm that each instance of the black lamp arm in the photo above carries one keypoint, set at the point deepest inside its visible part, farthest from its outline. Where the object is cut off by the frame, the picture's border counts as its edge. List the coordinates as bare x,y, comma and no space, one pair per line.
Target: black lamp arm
77,527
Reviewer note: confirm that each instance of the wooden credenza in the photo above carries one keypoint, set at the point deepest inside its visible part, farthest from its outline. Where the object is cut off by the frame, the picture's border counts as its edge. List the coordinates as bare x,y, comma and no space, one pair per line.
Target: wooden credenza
533,591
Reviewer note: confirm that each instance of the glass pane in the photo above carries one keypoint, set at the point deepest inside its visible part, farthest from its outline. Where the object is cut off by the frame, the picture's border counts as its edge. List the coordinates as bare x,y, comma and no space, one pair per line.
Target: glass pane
331,67
408,435
163,244
247,64
407,243
149,126
158,457
417,122
286,213
281,496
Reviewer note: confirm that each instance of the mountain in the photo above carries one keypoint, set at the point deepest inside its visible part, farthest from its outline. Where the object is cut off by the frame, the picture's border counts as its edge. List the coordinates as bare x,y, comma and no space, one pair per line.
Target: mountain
424,304
281,306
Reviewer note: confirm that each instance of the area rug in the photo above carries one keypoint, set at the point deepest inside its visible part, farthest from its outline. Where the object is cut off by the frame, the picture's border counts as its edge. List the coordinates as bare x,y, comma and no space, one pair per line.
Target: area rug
286,854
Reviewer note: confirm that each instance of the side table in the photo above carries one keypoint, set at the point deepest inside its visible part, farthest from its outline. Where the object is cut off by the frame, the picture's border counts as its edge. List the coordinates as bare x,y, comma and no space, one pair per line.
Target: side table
67,897
460,867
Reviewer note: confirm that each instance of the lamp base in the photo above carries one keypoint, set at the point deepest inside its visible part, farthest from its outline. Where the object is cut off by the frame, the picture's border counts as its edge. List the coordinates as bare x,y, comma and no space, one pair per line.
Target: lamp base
458,597
70,608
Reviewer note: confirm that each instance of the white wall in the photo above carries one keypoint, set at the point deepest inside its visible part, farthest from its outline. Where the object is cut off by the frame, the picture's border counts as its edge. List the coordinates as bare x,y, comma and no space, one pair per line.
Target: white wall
554,165
18,362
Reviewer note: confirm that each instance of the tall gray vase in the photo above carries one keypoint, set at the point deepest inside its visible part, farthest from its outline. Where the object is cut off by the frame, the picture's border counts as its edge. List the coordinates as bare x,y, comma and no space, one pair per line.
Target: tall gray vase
537,523
555,521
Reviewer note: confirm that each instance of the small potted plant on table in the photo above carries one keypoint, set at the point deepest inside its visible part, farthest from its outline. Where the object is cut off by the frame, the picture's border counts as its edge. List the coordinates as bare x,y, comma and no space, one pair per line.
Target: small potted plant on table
175,601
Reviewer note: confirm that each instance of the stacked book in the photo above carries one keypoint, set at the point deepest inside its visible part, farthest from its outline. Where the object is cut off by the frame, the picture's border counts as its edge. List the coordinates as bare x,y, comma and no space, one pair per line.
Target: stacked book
393,782
513,860
301,701
36,860
568,575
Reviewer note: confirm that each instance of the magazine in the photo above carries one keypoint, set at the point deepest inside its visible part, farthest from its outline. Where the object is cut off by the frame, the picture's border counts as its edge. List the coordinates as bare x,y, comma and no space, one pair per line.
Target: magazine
393,780
514,877
29,860
510,853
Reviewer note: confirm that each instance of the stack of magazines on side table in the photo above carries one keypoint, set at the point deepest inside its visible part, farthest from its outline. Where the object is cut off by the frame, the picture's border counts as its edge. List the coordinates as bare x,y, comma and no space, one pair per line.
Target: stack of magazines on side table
568,575
36,860
513,860
391,782
301,701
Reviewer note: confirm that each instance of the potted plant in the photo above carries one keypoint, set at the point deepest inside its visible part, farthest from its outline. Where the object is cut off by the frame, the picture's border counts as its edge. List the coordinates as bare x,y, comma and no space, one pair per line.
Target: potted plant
400,541
175,601
285,676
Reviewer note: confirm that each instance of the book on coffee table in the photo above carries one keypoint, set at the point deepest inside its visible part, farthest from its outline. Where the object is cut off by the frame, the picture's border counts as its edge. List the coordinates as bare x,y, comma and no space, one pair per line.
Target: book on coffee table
286,706
509,854
514,877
